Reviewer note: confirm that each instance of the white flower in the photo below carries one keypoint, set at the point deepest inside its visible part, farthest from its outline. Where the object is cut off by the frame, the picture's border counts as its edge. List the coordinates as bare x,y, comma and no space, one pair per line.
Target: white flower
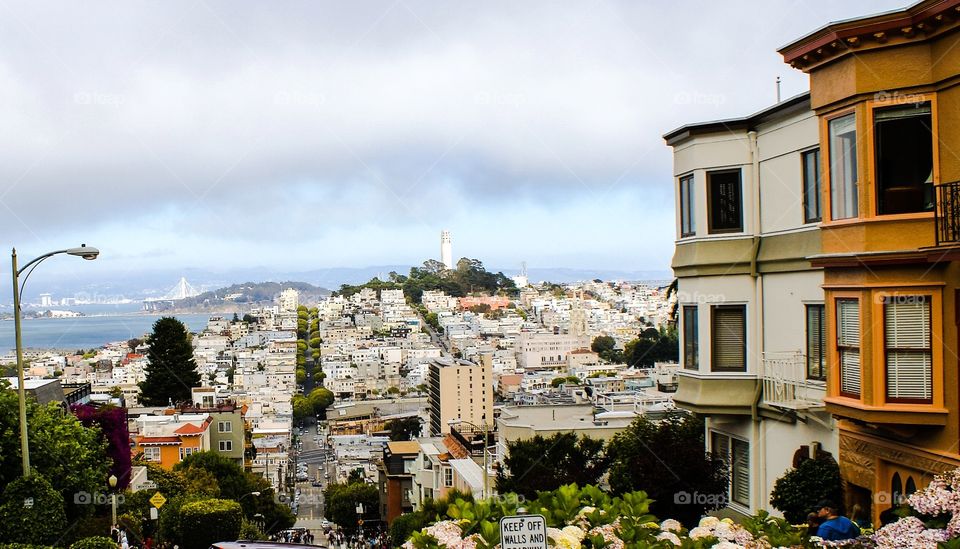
671,525
709,522
574,531
700,532
669,536
727,545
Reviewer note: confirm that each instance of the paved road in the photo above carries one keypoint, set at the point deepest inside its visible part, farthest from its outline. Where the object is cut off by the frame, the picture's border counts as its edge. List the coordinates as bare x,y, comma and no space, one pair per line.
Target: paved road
311,509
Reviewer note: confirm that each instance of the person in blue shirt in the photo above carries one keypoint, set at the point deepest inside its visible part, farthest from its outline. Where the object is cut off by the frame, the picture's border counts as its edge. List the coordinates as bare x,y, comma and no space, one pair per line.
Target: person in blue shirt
835,527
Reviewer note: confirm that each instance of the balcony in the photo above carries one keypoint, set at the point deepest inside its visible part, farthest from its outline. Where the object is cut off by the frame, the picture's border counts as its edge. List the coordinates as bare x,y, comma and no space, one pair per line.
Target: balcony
785,383
947,213
716,393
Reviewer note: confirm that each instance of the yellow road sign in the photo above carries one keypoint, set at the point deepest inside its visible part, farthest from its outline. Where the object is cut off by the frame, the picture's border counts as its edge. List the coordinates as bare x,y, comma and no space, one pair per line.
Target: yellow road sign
157,500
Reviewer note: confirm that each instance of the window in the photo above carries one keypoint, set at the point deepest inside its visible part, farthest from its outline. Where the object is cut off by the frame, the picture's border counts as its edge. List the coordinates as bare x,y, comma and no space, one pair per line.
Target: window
843,167
848,346
691,346
903,148
151,453
908,355
816,342
811,185
735,453
729,338
688,223
184,452
448,476
226,445
725,201
740,471
225,427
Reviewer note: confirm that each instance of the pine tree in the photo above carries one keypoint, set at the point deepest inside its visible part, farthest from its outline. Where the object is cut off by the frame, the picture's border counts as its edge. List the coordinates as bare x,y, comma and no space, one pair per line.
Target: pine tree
171,370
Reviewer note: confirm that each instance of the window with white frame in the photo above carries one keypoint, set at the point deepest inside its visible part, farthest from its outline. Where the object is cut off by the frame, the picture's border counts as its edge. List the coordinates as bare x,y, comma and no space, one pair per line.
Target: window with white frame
226,445
843,167
225,427
448,476
735,453
848,346
691,346
688,224
907,346
729,353
151,453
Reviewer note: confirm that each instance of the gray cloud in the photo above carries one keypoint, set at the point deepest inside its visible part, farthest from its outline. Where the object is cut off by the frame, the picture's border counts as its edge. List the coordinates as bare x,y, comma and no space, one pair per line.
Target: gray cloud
178,119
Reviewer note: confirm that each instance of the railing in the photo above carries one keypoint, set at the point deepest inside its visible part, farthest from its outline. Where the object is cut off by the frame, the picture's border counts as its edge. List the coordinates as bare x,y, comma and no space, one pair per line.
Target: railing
947,213
785,383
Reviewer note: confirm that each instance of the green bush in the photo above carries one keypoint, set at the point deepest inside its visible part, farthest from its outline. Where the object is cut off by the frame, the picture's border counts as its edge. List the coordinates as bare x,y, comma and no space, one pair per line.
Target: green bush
96,542
405,525
31,512
250,531
798,490
208,521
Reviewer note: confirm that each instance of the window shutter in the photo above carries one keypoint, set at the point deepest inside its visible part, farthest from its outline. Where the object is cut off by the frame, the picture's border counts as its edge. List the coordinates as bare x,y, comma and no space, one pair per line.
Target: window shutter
848,339
729,341
907,338
740,483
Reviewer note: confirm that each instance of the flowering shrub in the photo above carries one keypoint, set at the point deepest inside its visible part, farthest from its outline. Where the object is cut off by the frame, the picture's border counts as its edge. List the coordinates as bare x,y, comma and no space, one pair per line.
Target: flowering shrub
589,518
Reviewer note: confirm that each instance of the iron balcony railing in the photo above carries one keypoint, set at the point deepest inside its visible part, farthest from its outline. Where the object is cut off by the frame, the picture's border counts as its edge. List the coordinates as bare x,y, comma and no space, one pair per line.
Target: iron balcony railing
947,213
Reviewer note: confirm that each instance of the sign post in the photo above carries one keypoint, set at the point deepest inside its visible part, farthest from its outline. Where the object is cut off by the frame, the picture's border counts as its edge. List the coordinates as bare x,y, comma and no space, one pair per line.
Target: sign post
523,532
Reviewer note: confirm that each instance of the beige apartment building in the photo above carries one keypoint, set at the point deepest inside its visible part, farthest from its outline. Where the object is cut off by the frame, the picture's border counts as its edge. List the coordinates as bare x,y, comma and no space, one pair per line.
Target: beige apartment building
460,391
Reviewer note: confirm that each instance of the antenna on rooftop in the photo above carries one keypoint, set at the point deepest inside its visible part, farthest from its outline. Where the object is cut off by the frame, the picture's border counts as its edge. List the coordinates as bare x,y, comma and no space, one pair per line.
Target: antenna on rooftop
778,89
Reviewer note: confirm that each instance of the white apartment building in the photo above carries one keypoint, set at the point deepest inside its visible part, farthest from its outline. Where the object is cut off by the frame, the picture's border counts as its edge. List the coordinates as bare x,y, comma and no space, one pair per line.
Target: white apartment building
539,350
751,314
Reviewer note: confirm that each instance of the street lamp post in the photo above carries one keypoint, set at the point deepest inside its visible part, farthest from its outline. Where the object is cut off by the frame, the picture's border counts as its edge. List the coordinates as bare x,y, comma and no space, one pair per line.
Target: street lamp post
483,426
113,499
83,251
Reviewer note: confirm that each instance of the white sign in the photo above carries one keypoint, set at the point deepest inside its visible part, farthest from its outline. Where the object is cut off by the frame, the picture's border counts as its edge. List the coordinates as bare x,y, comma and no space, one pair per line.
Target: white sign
154,513
523,532
148,485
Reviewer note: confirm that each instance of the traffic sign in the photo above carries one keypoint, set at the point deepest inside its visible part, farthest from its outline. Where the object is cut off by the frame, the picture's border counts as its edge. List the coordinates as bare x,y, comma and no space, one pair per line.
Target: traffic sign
157,500
523,532
148,485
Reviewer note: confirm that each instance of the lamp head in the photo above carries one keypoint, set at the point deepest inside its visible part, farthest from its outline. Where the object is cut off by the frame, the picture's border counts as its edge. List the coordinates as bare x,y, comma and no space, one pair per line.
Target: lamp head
113,481
255,494
87,252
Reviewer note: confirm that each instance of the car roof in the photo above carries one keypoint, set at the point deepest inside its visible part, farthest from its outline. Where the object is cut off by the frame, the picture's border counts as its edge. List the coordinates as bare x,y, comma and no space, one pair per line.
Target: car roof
248,544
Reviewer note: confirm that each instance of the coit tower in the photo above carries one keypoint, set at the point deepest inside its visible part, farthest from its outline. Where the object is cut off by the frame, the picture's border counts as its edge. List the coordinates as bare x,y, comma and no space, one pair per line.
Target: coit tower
446,249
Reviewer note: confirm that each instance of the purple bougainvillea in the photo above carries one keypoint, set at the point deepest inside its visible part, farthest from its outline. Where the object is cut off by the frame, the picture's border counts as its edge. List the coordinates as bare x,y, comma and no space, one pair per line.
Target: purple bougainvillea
112,421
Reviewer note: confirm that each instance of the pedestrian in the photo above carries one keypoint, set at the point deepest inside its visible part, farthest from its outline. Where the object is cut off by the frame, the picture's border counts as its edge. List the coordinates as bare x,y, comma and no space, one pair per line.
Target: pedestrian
124,543
835,526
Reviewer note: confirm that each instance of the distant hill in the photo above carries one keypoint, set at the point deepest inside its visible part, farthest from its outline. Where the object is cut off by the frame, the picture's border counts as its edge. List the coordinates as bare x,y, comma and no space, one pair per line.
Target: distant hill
244,296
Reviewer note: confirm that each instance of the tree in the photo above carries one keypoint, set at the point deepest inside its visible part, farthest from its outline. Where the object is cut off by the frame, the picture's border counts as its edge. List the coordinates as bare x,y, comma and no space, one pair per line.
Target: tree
543,464
42,522
799,489
342,499
404,429
319,399
171,370
652,346
605,346
302,408
133,343
667,459
73,458
203,523
112,423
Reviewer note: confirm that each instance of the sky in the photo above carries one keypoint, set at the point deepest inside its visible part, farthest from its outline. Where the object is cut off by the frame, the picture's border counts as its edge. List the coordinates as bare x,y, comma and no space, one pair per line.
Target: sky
306,135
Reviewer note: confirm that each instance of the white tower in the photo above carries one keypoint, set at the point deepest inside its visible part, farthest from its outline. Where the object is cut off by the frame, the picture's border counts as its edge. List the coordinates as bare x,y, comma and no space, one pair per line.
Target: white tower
446,249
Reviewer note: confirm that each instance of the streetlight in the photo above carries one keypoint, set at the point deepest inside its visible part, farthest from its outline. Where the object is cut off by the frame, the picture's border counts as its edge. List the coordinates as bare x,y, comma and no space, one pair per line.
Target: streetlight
113,498
84,251
483,426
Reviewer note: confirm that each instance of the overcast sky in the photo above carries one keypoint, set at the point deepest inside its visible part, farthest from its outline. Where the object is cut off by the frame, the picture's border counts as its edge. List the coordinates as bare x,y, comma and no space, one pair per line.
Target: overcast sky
320,134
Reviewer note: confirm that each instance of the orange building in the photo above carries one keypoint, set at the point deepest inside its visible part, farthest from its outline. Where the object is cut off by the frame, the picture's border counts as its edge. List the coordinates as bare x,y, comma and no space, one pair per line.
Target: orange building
168,439
885,90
